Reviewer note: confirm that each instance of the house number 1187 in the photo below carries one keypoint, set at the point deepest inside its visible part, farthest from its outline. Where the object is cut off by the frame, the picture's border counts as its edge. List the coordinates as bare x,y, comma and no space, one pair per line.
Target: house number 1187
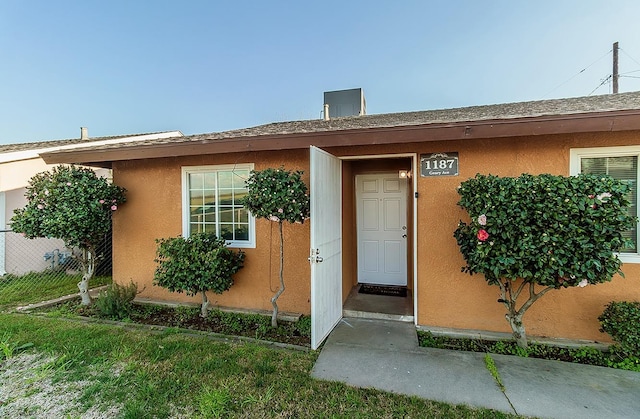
439,164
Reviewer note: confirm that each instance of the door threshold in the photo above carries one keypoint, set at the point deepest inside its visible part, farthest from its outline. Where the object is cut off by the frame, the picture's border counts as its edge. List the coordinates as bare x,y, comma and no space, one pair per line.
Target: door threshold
378,316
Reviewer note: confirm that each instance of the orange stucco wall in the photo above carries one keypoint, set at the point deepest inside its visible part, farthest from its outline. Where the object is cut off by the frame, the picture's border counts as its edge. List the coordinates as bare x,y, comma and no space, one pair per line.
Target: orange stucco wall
445,296
153,210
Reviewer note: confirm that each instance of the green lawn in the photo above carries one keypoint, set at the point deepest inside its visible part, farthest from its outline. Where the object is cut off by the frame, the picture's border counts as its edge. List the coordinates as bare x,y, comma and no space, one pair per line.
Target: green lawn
40,286
142,374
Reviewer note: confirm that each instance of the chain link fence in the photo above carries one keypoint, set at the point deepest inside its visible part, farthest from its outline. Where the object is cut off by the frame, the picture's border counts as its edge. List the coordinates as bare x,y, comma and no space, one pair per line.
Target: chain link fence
34,270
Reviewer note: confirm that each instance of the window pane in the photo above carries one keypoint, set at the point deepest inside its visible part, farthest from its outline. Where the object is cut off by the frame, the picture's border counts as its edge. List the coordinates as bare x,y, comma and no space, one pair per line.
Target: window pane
226,215
242,231
210,214
240,178
195,197
238,195
209,198
226,196
196,215
195,228
209,181
196,180
225,180
226,231
242,215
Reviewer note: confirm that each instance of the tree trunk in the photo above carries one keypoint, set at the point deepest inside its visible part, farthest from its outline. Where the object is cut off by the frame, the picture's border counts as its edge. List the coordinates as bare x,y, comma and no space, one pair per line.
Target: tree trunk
204,310
517,327
274,316
509,297
88,264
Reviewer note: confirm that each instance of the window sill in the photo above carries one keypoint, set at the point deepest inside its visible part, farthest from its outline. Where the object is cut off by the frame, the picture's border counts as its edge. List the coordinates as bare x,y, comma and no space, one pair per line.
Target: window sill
629,257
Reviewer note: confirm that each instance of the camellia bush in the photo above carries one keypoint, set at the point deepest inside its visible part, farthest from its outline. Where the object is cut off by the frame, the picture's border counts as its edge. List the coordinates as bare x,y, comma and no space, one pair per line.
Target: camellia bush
279,196
196,264
540,233
72,204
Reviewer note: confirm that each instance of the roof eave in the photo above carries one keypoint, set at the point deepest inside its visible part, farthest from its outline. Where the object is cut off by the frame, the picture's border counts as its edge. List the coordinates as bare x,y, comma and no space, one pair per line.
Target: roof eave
606,121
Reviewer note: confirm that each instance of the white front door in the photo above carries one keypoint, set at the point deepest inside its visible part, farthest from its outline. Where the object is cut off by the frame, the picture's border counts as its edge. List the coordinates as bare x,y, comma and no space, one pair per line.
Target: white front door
326,244
381,205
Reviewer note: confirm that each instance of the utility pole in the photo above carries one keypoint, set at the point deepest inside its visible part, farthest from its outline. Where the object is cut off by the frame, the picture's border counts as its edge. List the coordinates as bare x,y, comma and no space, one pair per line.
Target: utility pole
615,67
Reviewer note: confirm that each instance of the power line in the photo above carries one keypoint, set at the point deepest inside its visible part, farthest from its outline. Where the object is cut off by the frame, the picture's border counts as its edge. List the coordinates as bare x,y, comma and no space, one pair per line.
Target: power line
601,83
577,74
632,59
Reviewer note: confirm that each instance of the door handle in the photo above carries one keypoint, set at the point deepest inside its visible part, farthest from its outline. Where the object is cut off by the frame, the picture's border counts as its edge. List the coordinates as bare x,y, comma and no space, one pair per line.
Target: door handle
404,236
314,258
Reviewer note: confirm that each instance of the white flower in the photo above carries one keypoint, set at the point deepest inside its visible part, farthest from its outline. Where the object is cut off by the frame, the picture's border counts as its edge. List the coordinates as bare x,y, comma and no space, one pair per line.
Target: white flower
603,195
583,283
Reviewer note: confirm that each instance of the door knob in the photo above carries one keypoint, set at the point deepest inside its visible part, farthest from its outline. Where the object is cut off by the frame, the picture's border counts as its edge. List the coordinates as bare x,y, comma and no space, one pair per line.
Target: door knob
404,236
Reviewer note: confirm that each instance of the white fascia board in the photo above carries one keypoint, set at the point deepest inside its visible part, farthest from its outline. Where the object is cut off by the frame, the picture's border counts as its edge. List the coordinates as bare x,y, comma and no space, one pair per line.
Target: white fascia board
35,152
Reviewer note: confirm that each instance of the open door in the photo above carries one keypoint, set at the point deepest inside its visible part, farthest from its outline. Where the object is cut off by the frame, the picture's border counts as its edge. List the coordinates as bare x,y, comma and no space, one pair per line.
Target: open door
326,244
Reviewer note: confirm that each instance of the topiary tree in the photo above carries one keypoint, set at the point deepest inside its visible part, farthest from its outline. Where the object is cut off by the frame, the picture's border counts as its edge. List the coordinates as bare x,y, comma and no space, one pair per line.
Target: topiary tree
542,233
277,195
72,204
196,264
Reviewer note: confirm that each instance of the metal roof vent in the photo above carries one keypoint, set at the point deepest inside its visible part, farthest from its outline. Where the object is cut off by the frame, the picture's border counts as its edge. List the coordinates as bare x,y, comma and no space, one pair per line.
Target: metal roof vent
345,103
84,133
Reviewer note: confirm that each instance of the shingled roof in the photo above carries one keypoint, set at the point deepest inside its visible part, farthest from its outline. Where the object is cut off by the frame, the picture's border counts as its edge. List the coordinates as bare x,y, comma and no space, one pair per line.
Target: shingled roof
543,110
6,148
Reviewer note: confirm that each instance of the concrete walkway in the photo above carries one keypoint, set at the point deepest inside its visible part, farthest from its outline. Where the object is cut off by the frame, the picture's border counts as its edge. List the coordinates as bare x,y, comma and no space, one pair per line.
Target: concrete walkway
384,354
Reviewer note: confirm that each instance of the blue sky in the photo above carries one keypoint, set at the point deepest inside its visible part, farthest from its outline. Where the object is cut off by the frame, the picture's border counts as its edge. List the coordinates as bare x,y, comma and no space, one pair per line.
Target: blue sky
121,67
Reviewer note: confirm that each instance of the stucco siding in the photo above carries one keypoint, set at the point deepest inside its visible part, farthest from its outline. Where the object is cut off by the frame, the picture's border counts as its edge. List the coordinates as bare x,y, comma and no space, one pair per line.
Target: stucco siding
445,296
153,210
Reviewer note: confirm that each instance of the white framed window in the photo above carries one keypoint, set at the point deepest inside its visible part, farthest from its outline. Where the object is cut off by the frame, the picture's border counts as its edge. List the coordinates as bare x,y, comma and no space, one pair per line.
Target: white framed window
212,202
620,163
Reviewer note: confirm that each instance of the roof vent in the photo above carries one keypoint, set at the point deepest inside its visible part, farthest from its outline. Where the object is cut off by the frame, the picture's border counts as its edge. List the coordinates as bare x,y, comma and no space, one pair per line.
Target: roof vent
84,133
346,102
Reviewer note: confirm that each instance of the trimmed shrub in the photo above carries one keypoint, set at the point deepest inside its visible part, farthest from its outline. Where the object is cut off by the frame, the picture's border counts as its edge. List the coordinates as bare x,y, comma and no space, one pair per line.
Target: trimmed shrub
196,264
621,321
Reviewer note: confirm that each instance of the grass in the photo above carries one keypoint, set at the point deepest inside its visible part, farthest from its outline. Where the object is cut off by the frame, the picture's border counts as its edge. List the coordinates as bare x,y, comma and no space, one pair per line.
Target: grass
39,286
493,370
147,374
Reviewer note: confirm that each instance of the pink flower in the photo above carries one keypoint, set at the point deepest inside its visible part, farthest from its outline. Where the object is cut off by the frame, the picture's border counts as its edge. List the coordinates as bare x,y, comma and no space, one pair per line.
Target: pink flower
68,183
274,218
280,210
591,196
40,206
583,283
483,235
114,207
101,201
482,220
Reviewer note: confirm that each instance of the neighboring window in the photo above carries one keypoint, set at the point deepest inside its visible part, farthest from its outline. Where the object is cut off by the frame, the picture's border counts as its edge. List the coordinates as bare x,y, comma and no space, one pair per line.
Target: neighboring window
212,202
620,163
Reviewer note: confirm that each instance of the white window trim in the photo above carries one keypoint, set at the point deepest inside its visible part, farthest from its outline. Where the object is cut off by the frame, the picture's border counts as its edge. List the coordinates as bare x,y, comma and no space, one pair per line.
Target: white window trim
576,154
186,170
